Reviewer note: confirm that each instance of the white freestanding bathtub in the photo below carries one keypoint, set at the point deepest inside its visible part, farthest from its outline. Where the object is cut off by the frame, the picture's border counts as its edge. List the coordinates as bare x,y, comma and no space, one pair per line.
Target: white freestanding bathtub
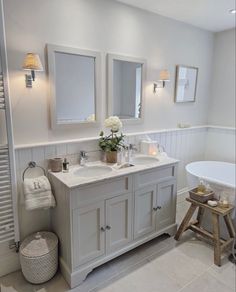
221,178
221,174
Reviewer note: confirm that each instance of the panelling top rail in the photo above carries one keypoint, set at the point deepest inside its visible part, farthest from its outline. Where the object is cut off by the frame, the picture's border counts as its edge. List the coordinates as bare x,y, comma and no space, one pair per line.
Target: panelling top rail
160,131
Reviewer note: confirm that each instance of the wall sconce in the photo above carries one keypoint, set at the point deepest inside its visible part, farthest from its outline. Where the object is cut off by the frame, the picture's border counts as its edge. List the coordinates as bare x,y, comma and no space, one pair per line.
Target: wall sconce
163,78
33,63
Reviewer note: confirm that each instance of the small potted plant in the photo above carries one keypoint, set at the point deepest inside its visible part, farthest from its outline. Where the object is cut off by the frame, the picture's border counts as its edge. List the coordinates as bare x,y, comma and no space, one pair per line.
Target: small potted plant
112,143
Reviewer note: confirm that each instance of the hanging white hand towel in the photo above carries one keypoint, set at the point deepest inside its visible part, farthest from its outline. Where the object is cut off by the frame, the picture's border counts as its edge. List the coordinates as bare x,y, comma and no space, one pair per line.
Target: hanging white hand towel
38,193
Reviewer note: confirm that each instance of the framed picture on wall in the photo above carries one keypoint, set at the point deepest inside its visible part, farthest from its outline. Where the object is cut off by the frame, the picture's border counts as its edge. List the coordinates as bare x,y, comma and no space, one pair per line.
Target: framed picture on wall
186,83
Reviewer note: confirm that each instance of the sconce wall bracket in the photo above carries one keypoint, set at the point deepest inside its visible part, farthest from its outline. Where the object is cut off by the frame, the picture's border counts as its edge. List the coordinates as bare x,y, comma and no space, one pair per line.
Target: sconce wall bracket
158,84
28,80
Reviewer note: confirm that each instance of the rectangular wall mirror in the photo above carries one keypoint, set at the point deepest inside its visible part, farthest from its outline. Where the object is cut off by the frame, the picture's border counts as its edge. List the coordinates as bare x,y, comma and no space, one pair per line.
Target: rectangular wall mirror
126,77
186,83
74,85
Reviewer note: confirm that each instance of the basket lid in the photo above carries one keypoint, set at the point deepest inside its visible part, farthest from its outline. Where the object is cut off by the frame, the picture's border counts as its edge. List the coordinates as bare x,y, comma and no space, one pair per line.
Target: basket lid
38,244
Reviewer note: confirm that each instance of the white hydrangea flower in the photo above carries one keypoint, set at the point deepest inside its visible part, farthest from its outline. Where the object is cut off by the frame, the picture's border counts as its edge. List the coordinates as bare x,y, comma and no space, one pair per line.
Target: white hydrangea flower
114,123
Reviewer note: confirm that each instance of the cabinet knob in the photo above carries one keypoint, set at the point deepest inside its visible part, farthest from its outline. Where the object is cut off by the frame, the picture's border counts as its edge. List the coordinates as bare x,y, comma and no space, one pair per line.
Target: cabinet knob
157,208
103,229
108,227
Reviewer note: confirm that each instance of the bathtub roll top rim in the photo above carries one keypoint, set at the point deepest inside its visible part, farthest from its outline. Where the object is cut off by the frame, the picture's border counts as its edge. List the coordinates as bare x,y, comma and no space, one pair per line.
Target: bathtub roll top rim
218,173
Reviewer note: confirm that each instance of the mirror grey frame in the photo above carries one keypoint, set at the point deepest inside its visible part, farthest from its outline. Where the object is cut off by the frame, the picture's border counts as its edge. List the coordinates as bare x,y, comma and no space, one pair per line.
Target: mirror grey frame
110,85
189,83
52,50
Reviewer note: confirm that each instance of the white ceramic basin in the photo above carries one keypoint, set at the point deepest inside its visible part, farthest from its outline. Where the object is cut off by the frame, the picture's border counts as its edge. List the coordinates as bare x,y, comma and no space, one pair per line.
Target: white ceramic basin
92,171
144,160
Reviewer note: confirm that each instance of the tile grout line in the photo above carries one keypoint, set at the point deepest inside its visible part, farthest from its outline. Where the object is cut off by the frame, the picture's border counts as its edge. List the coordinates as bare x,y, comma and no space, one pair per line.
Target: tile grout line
132,266
197,277
214,276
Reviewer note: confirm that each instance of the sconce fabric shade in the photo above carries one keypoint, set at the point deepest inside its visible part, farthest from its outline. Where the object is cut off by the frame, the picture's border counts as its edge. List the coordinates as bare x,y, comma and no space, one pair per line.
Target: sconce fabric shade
164,75
32,62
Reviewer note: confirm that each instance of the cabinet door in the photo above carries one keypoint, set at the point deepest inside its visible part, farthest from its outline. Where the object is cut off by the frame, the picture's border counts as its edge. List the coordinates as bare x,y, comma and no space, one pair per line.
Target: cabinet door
88,233
166,204
144,221
118,222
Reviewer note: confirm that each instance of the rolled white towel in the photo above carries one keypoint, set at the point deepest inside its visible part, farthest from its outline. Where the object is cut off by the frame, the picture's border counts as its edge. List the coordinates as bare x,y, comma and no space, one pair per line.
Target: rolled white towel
38,193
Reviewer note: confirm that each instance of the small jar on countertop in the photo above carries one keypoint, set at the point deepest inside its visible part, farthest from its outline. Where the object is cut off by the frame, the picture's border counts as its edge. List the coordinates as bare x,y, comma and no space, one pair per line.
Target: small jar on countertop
56,164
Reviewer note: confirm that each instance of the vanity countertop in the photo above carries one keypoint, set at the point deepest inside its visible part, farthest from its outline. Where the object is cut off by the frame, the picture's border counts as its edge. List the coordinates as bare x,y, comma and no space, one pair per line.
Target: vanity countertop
71,180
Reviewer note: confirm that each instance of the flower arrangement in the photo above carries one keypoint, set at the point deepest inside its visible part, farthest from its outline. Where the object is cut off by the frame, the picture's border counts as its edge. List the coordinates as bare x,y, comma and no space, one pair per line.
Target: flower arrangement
114,141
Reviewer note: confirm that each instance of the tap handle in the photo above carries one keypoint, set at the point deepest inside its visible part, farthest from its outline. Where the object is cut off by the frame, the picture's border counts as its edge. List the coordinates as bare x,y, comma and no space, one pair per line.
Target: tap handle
161,148
133,147
83,154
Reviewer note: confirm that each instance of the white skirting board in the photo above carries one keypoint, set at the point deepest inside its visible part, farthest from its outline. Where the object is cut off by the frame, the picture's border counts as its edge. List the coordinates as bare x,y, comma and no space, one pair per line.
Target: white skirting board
182,191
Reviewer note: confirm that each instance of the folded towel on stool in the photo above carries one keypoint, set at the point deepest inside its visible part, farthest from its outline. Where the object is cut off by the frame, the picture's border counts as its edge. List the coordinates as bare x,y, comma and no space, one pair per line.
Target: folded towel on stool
38,193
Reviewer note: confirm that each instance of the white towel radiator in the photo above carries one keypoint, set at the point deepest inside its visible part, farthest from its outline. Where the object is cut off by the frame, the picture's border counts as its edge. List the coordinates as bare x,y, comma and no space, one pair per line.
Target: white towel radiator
9,228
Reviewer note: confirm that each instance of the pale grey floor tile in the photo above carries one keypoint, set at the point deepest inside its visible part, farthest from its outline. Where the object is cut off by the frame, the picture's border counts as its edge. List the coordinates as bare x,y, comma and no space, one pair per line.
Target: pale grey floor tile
138,254
144,279
128,270
206,283
197,250
225,274
16,282
178,266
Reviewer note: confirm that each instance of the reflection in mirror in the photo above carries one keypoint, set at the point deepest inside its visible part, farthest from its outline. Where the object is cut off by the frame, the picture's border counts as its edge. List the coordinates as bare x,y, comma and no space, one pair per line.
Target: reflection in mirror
186,83
72,74
75,87
125,86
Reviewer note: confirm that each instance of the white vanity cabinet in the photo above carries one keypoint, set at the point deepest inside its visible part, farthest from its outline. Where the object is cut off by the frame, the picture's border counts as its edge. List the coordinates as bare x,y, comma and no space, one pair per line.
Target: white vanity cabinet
98,221
144,215
119,217
101,227
88,240
165,204
155,208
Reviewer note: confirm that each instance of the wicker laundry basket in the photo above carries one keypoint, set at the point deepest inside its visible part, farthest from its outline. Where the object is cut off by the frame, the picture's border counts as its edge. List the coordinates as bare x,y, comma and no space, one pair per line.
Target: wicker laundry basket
39,257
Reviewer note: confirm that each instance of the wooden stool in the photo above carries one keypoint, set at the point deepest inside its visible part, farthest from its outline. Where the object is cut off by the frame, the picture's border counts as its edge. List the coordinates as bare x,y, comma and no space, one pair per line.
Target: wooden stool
219,244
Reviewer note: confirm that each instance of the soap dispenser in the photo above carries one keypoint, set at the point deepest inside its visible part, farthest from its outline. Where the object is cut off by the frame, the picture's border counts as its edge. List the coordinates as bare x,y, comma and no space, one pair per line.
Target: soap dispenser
65,165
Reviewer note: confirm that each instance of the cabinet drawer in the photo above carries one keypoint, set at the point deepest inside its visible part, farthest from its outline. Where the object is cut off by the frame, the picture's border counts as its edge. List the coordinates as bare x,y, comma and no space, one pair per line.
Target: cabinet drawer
153,176
101,190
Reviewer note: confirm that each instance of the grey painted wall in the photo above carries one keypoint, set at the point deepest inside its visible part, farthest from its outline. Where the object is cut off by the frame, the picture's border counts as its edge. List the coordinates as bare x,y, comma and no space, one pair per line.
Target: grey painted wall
109,27
222,105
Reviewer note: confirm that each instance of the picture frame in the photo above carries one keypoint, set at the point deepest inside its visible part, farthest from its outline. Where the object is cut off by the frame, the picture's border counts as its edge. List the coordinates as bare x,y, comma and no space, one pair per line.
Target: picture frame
186,83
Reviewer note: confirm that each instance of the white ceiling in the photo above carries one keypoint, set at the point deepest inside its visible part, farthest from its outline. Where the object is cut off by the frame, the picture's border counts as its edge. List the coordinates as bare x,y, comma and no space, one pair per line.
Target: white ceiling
211,15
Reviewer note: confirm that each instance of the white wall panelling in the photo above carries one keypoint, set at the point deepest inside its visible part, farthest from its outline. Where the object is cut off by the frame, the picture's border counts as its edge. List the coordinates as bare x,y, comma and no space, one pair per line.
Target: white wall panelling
186,145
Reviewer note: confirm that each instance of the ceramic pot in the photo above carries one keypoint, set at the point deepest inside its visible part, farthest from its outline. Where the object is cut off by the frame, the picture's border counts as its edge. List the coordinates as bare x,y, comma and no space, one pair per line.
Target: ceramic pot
56,164
111,157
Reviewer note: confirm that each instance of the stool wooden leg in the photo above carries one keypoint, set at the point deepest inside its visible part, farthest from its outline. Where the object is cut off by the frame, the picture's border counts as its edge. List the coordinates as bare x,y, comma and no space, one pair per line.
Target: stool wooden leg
230,226
185,221
216,236
200,216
